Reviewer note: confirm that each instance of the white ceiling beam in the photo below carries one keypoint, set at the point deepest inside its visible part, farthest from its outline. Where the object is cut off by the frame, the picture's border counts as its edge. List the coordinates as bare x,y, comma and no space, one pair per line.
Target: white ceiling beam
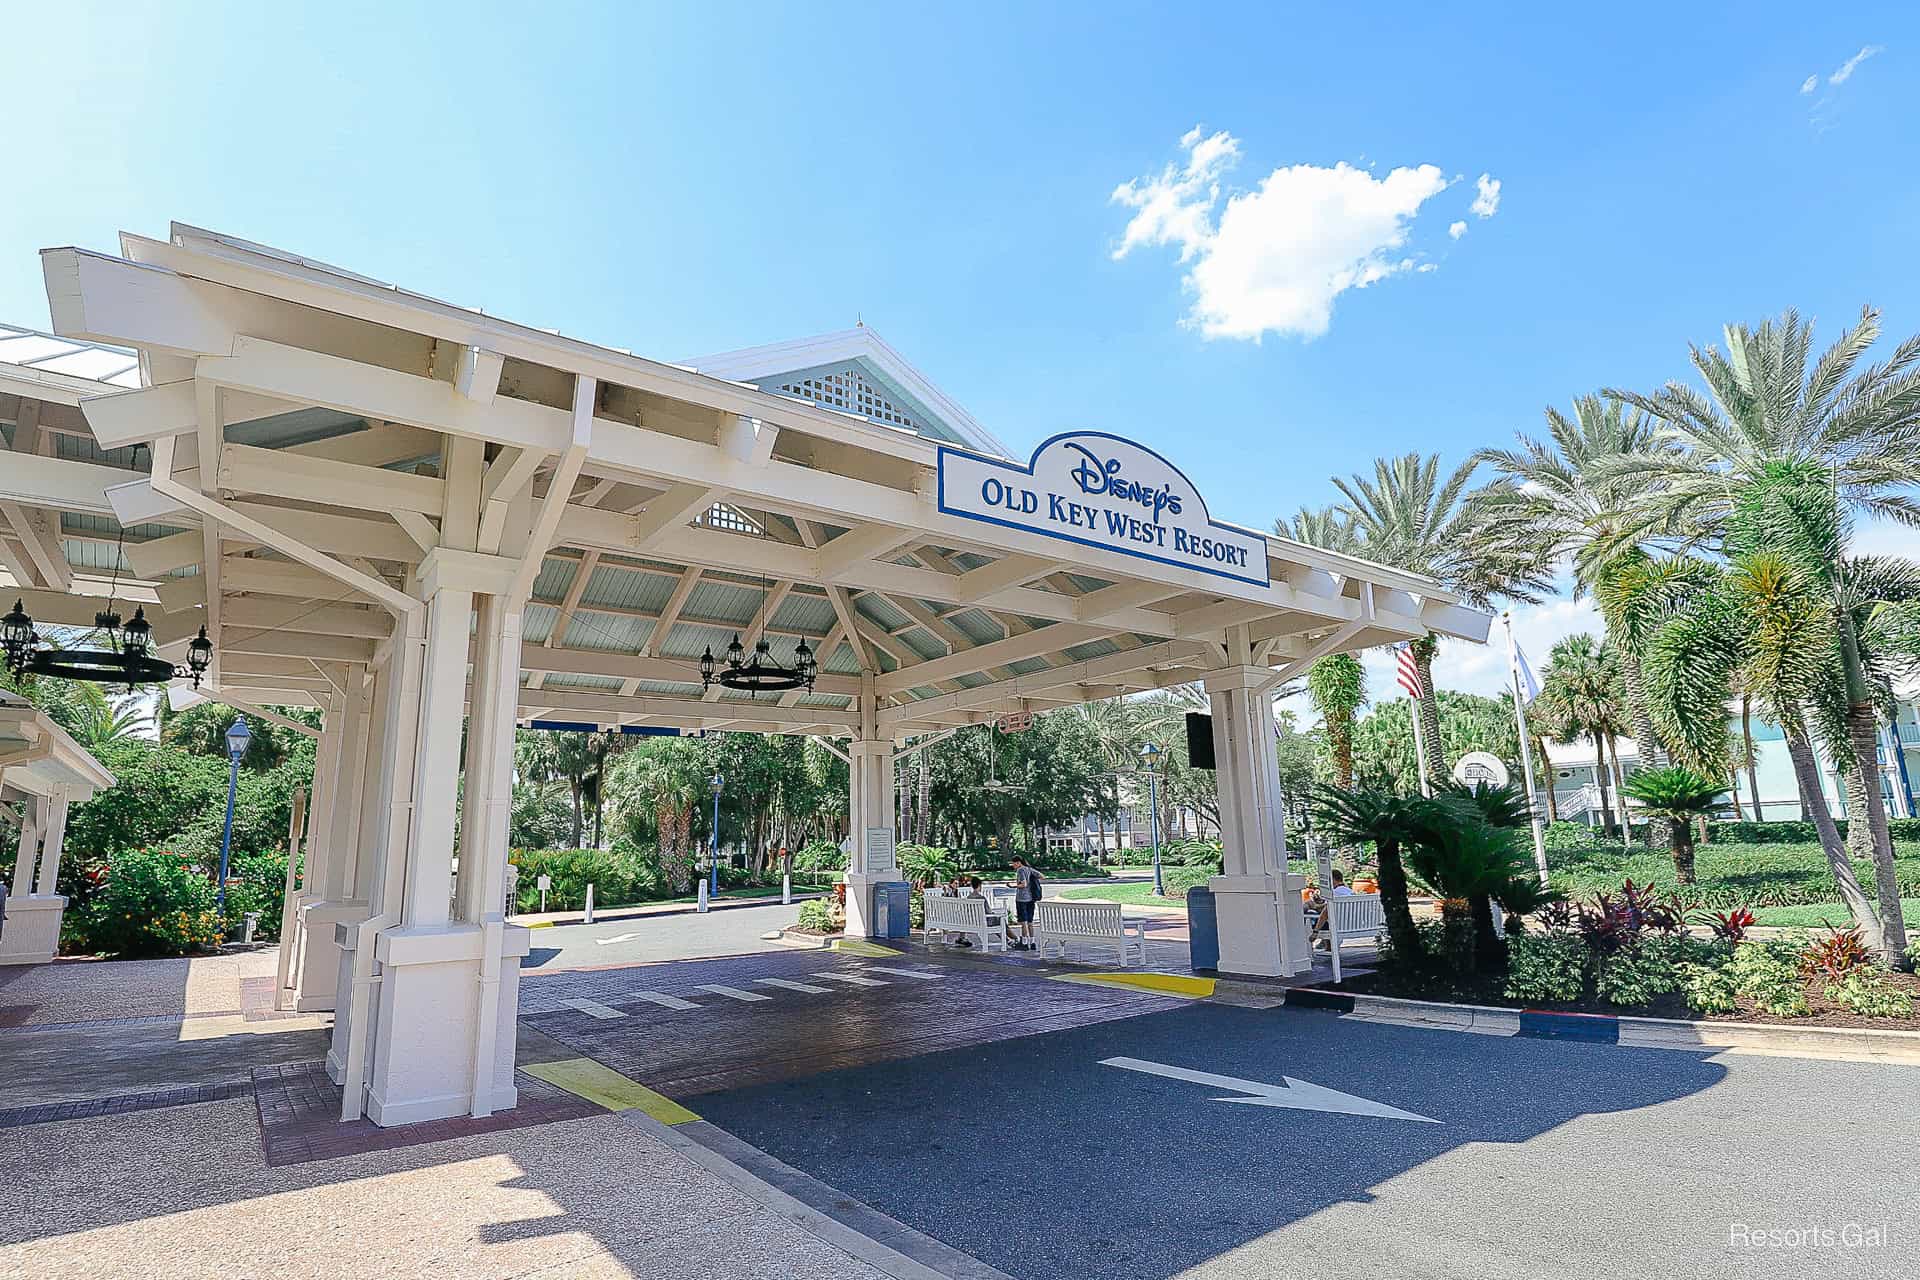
844,612
748,440
275,473
671,613
382,444
980,658
546,523
40,541
1009,571
852,548
267,614
476,374
563,619
59,483
665,517
1093,670
1099,605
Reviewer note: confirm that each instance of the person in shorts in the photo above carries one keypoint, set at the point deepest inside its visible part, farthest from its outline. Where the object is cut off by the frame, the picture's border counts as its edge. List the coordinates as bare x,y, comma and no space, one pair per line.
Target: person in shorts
1026,892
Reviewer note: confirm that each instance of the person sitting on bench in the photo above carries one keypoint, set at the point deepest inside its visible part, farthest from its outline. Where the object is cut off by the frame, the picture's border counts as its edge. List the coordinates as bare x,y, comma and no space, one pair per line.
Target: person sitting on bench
1323,921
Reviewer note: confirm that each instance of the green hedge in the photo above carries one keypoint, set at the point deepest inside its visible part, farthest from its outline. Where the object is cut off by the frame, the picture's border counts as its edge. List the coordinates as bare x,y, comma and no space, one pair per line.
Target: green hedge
619,877
149,903
1729,875
1907,829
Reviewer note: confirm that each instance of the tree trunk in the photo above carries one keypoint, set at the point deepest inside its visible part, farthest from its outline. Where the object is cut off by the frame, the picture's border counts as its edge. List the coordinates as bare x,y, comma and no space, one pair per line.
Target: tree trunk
1806,772
1547,779
1645,741
1600,775
1739,814
1620,787
1861,728
1680,836
1859,833
573,785
1340,743
1435,765
1393,900
1753,772
1489,953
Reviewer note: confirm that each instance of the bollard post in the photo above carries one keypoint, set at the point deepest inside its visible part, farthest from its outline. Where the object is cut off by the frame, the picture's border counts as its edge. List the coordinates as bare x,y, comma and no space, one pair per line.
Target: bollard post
589,919
786,889
702,907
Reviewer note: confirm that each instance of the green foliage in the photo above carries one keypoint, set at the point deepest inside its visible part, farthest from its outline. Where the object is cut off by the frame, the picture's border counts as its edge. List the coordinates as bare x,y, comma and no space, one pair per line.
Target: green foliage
262,887
820,856
1869,994
1191,853
1635,974
619,877
1709,988
1728,874
1674,792
1383,738
1177,880
152,903
1542,967
820,914
1768,973
924,864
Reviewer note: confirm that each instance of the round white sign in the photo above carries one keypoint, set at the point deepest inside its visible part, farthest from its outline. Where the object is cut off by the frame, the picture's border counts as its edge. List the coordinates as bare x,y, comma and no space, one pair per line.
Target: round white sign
1480,766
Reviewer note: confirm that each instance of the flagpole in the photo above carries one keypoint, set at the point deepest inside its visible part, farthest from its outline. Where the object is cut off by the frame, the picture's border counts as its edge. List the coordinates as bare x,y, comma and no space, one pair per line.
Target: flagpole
1526,748
1419,749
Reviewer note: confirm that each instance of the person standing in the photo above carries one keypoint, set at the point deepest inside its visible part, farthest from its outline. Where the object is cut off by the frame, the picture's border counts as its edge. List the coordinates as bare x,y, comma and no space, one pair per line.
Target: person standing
1026,892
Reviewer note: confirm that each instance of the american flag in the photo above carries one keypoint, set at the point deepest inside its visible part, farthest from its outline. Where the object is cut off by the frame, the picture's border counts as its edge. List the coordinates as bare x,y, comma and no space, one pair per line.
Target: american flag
1407,671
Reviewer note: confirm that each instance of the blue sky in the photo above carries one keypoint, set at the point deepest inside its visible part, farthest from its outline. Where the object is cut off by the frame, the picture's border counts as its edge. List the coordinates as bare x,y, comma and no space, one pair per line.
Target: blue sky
695,178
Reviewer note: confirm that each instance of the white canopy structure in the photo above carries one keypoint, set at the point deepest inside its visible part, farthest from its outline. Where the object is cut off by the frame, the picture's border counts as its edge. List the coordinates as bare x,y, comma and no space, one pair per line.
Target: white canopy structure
42,773
405,512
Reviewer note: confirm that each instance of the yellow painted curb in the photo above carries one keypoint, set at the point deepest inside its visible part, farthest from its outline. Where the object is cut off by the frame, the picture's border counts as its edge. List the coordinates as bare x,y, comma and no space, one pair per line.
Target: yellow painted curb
861,947
601,1084
1164,984
539,924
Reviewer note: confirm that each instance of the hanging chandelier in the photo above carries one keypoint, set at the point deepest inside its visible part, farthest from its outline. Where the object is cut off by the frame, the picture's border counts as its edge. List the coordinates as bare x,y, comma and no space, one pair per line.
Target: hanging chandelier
128,658
759,673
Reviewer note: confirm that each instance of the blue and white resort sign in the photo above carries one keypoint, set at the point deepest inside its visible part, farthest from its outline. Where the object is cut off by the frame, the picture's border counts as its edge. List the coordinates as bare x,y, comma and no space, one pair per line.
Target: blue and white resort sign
1101,491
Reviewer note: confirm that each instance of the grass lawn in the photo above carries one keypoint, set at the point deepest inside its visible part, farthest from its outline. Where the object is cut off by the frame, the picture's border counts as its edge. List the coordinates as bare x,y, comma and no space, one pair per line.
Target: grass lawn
1751,875
1134,893
1813,915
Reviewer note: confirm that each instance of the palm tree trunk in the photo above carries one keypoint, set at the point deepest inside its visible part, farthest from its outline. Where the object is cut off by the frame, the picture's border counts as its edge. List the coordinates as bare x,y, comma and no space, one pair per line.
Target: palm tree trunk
1859,834
1545,763
1620,787
1393,900
1600,775
1340,742
573,785
1806,772
1435,765
1739,814
1753,772
1680,838
1863,730
1645,741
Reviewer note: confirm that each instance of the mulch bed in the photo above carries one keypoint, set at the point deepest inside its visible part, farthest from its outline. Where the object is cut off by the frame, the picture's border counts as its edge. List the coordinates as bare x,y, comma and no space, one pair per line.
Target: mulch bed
1671,1005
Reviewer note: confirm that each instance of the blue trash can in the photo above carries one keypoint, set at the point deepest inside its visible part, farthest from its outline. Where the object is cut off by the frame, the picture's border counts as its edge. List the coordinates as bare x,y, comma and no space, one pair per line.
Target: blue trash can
1203,930
892,909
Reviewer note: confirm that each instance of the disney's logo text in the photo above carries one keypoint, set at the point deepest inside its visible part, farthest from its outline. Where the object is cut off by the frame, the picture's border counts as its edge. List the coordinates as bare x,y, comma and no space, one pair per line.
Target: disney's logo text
1097,476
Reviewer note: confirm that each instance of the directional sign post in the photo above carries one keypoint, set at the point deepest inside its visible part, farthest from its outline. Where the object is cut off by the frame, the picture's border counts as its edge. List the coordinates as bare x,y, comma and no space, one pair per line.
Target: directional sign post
1299,1095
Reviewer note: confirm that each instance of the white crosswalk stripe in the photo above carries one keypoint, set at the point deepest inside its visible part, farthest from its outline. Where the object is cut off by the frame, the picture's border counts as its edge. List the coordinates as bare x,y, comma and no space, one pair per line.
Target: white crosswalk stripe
854,978
669,1002
791,985
922,974
595,1009
732,993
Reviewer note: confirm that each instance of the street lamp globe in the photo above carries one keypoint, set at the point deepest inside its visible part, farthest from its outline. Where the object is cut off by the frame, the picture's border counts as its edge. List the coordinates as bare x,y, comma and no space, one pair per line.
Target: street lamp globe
238,736
1149,756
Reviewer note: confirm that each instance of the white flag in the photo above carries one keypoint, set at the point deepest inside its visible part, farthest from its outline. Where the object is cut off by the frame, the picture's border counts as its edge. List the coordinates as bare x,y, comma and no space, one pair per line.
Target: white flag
1529,687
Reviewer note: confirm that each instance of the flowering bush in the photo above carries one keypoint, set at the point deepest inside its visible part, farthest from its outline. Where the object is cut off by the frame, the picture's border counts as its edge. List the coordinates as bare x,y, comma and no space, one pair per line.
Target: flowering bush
152,902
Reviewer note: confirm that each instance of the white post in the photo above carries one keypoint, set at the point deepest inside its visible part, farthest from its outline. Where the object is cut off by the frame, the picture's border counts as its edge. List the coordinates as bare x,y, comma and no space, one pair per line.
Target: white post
289,902
870,814
51,841
589,911
1419,749
1526,749
1263,930
32,813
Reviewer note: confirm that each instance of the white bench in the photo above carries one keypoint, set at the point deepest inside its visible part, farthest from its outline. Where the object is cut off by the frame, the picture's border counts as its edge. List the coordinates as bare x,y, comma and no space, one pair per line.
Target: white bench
1058,923
1352,917
962,917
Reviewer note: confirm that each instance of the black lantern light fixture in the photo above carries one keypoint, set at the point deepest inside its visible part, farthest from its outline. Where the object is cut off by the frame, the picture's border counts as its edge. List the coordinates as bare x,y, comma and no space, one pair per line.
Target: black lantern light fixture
759,673
126,659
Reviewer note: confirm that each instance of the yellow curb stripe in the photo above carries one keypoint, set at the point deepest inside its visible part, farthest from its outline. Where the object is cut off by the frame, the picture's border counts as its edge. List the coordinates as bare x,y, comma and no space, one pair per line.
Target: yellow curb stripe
602,1085
861,947
539,924
1181,985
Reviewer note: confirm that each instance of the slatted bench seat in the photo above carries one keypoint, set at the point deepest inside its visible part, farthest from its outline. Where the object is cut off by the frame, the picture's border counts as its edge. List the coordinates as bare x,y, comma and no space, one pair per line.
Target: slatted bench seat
1057,923
1356,917
962,918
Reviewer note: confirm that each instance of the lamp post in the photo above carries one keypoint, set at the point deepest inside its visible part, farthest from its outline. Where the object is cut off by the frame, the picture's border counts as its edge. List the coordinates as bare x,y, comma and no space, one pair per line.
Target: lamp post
1150,757
710,883
239,734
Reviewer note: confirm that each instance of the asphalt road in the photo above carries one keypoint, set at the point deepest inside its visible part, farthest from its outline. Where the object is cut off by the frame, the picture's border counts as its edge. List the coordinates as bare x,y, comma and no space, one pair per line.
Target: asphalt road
1547,1159
645,939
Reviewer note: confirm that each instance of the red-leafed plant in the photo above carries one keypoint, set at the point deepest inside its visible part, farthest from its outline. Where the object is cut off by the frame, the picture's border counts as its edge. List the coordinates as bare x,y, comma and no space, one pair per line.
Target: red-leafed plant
1730,926
1834,956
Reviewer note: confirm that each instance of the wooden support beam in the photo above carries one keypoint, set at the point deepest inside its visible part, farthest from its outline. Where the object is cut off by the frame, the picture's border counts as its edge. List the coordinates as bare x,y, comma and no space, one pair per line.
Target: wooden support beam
665,515
1002,574
671,613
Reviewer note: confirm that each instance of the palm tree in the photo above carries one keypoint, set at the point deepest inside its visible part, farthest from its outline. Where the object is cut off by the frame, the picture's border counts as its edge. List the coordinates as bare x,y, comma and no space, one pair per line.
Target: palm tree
1768,631
1680,796
97,721
1580,697
1388,820
1114,725
1771,413
1408,516
1337,683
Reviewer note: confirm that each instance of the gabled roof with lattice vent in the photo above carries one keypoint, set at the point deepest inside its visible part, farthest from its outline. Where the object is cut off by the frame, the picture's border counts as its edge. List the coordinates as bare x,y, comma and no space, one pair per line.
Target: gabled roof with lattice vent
856,371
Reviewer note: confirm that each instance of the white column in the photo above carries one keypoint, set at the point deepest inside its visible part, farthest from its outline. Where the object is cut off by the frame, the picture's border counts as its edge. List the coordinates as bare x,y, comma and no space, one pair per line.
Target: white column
870,814
51,840
328,897
31,811
1263,929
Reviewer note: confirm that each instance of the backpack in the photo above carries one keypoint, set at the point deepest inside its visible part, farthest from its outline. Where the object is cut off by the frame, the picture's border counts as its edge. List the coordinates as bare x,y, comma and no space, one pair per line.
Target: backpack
1037,895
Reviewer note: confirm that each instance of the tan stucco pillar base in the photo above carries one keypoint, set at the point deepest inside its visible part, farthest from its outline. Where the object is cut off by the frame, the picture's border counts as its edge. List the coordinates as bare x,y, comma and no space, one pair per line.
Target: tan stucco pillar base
32,932
427,1014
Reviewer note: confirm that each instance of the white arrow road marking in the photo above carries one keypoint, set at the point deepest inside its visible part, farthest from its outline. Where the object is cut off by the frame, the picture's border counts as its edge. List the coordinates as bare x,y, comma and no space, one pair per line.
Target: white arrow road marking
625,937
1297,1094
790,985
670,1002
922,974
732,993
855,979
595,1008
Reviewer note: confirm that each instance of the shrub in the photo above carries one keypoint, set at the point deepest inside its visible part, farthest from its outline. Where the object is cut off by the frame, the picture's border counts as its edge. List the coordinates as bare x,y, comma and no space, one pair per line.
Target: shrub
1834,956
152,903
262,887
1730,926
1635,974
819,855
1545,967
1869,994
619,877
819,914
925,864
1177,880
1191,853
1768,973
1708,988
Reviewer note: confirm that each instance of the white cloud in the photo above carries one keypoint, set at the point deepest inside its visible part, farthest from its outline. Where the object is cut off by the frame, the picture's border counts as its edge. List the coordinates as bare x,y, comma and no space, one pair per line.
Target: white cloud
1811,83
1273,259
1457,230
1487,203
1847,68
